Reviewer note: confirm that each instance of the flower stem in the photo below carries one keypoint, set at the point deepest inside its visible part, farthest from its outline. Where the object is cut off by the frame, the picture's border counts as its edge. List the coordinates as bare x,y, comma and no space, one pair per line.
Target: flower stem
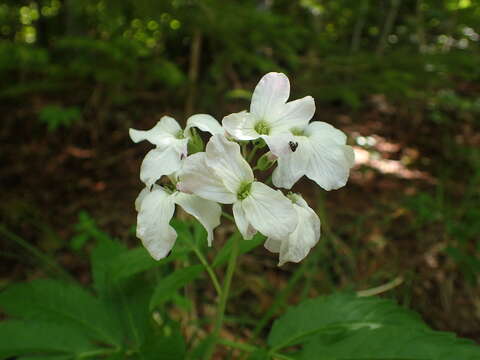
210,271
252,153
222,303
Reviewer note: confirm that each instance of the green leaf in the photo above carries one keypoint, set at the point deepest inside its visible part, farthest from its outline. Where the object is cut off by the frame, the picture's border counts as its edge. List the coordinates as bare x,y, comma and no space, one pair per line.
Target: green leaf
344,326
171,283
394,342
100,259
27,337
260,354
338,312
169,345
61,303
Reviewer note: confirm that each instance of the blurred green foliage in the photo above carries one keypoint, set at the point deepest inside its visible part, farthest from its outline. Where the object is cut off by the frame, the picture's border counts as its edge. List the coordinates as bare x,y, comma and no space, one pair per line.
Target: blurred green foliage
344,50
57,116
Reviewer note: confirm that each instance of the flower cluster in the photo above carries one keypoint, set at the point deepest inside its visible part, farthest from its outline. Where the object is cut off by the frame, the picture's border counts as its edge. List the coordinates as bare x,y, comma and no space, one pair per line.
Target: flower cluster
220,174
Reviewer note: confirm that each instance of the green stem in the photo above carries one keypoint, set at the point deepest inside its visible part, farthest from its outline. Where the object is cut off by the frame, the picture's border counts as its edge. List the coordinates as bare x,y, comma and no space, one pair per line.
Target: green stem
209,269
96,353
236,345
252,153
222,304
228,216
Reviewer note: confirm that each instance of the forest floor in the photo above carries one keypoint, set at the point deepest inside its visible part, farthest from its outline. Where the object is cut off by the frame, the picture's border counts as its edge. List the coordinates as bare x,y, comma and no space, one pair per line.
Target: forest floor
372,230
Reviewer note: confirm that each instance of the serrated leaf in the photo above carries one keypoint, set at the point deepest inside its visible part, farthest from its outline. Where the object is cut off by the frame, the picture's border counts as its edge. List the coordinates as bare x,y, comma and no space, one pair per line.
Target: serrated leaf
344,326
27,337
61,303
338,312
171,283
394,342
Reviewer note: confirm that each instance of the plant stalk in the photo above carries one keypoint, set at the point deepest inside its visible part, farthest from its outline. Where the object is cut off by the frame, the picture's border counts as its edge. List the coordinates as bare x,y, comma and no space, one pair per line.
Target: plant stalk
222,304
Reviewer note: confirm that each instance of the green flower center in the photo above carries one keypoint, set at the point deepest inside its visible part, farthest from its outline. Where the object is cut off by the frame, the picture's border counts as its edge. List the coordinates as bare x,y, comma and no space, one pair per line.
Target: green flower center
262,127
244,191
297,132
180,135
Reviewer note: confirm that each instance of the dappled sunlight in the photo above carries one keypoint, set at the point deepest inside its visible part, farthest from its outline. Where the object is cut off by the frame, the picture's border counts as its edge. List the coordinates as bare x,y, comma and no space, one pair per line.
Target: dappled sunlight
375,151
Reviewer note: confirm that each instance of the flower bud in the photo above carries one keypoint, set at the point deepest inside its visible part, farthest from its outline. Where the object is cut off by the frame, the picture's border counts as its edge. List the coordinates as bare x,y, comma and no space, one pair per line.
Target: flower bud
266,161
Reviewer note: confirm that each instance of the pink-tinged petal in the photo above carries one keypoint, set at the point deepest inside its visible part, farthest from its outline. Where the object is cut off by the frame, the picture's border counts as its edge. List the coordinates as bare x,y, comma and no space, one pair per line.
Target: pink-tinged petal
269,96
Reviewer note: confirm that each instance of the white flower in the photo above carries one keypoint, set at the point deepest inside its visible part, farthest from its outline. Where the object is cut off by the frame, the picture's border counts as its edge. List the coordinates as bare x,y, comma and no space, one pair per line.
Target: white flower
221,174
155,209
171,144
297,245
316,150
271,117
319,152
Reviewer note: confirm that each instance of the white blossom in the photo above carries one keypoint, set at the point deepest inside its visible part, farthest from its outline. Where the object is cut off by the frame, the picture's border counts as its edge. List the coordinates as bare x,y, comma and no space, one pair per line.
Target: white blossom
320,153
171,144
297,245
155,209
316,150
271,117
221,174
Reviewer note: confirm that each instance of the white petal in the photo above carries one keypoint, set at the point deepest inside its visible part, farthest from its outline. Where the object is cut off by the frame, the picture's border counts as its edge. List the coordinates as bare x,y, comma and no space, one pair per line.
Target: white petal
313,215
153,227
197,178
329,164
279,144
138,201
269,211
270,94
224,157
162,134
292,166
205,123
159,162
206,212
322,131
305,236
294,114
243,225
241,126
273,245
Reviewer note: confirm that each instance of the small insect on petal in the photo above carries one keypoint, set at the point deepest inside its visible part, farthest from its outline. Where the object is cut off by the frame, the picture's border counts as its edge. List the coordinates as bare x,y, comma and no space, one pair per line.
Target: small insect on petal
293,145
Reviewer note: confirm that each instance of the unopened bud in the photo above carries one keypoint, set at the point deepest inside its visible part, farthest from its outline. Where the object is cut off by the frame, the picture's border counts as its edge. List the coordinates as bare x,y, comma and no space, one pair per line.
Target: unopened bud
266,161
195,143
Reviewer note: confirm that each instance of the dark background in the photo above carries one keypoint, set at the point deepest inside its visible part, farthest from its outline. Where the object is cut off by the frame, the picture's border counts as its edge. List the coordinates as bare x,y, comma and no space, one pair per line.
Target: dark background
400,77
